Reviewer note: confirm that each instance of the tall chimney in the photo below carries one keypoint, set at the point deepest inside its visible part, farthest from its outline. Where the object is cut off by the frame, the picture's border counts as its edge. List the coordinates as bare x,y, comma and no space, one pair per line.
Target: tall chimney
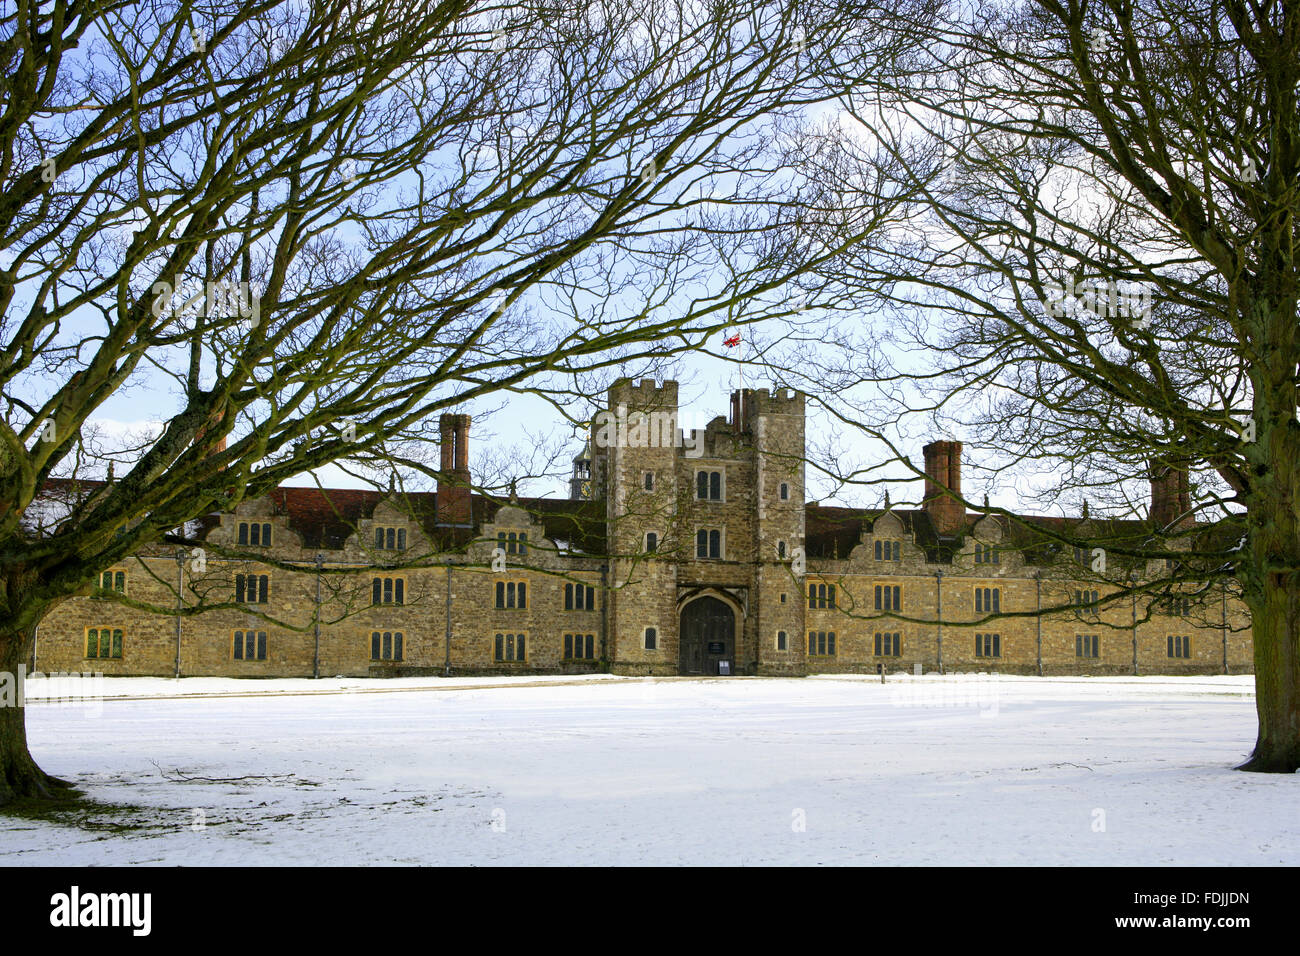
462,444
943,473
1185,499
1171,497
215,420
453,501
446,441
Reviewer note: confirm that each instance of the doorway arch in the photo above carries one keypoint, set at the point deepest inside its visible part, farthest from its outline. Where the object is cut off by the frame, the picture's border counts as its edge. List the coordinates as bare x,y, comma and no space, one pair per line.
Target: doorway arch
707,637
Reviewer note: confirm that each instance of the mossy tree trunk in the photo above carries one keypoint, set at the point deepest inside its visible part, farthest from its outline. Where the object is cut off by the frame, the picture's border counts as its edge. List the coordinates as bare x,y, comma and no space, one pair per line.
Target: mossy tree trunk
20,777
1276,633
1271,574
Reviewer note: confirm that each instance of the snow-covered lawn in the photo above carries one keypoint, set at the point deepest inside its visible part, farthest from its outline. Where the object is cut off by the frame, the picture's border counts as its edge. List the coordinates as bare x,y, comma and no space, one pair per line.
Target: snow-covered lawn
931,770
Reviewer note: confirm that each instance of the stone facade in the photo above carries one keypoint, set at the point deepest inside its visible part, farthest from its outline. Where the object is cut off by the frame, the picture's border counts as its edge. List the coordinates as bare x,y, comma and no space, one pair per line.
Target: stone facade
679,553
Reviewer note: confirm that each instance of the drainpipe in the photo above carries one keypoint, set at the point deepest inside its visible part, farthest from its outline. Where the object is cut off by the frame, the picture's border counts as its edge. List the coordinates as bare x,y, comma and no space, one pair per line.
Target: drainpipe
1133,582
938,615
180,597
604,615
446,644
1223,595
1038,581
315,660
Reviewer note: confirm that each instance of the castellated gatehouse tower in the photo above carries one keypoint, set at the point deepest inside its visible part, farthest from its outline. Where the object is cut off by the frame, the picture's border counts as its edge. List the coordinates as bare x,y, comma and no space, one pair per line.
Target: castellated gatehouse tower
705,530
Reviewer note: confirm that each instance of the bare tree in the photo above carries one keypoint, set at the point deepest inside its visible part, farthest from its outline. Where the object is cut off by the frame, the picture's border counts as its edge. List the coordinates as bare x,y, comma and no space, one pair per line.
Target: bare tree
297,231
1101,273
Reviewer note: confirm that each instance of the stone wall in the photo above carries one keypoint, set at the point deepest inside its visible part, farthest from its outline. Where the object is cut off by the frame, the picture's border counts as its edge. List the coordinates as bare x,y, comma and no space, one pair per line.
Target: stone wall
758,571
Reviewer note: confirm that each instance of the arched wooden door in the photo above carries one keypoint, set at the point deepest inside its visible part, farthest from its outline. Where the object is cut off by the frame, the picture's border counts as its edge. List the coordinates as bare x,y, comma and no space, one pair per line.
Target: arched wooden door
708,636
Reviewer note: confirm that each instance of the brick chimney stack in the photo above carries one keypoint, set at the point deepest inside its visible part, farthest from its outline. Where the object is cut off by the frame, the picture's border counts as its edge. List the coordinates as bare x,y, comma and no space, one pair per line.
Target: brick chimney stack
447,443
453,503
943,471
215,420
1171,498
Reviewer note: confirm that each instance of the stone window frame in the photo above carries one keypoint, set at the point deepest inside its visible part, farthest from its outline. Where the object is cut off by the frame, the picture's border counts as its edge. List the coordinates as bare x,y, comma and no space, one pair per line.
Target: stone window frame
646,544
397,644
783,491
116,642
650,638
112,574
506,594
507,641
572,589
239,645
398,534
887,644
648,480
988,645
513,542
397,579
722,543
1082,596
721,475
264,534
896,595
892,549
782,641
570,644
1174,643
261,588
821,596
1081,644
992,602
987,554
824,645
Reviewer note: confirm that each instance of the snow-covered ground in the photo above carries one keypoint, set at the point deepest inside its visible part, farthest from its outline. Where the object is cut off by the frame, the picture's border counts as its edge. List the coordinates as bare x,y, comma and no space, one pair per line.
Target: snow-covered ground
601,770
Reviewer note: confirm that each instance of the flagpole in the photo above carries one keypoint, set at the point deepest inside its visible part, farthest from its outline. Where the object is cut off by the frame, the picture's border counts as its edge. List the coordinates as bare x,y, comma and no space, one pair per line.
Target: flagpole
731,342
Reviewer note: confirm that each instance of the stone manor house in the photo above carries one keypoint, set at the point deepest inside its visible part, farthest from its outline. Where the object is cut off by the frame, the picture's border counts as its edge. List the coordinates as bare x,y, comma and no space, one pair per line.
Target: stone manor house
676,553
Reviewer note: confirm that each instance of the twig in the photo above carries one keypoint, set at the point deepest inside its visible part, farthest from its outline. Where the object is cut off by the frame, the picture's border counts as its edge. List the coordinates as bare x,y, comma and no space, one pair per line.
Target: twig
179,776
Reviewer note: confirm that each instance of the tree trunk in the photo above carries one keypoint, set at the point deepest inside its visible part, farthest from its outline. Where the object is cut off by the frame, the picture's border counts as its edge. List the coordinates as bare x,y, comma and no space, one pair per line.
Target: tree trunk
1271,576
1277,677
19,776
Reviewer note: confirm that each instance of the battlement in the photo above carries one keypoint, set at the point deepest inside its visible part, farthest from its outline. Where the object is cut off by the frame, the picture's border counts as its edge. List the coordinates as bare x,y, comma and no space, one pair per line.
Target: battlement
747,404
644,393
645,414
777,401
